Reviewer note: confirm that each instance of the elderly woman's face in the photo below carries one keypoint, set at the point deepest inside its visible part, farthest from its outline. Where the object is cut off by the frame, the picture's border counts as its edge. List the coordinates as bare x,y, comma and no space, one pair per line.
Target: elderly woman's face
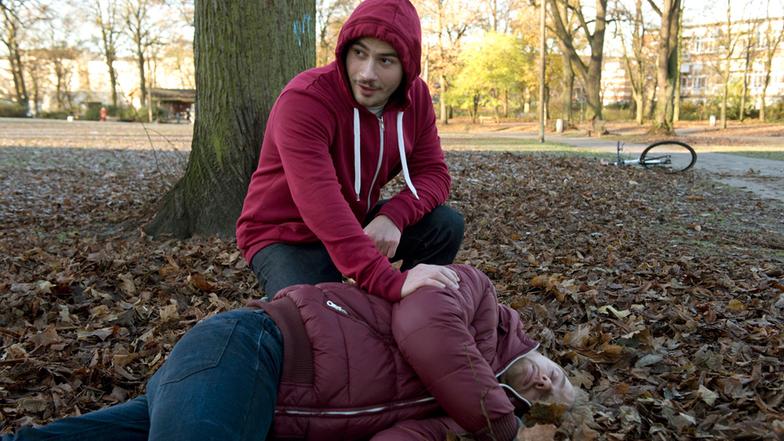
537,378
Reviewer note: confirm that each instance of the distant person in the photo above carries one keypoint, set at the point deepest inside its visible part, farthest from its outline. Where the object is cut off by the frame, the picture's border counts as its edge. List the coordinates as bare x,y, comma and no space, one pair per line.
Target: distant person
335,136
328,362
103,113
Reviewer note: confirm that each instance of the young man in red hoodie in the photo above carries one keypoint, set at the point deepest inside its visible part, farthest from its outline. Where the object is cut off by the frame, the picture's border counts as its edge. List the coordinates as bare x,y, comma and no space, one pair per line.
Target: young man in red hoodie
329,363
335,136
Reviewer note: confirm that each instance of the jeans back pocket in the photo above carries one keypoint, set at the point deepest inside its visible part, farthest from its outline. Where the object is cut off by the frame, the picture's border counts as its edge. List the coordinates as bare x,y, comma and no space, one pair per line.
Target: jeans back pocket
199,349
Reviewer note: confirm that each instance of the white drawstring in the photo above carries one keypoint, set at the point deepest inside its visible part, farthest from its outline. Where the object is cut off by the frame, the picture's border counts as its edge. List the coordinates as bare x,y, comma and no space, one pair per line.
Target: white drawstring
402,149
357,169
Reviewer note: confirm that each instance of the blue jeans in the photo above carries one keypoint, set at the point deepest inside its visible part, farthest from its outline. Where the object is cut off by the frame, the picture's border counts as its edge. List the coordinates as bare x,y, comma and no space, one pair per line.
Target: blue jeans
435,239
220,382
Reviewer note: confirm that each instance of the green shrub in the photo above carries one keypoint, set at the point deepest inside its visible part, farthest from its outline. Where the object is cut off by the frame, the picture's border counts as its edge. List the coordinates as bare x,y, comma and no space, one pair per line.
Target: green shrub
60,114
12,110
130,114
775,112
692,111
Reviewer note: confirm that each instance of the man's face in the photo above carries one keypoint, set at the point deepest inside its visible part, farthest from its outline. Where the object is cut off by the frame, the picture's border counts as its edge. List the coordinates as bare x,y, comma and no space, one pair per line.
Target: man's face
537,378
374,70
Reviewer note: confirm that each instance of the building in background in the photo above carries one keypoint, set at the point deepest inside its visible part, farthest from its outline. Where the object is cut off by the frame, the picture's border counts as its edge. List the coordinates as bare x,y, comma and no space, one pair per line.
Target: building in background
708,48
83,79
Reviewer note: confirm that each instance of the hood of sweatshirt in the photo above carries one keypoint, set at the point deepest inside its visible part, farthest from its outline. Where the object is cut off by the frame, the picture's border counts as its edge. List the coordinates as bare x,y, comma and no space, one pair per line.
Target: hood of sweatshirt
395,22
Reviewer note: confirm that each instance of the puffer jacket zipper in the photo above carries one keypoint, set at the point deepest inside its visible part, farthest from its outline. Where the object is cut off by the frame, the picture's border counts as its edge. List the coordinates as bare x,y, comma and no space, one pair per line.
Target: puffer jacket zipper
305,411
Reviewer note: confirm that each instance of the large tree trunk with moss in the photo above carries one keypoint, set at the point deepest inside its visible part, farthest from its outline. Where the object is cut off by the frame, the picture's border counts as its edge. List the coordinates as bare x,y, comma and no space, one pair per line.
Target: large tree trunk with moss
245,53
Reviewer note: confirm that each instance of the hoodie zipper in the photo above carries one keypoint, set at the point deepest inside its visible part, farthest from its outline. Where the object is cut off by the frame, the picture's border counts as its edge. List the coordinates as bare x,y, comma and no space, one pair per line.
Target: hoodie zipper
380,158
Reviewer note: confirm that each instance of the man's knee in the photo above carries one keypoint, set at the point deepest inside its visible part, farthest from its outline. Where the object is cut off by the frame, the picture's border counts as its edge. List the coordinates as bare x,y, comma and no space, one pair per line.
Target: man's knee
450,222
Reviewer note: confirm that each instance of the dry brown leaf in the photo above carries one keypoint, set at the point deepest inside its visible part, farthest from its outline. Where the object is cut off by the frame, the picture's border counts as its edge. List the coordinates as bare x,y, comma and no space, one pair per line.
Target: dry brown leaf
200,282
539,432
47,337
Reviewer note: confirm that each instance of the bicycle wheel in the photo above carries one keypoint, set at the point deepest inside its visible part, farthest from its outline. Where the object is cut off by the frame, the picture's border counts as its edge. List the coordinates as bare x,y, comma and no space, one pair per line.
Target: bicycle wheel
669,156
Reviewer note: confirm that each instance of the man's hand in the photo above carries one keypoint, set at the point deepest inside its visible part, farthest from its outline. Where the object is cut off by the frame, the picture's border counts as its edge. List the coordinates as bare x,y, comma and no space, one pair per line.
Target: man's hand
385,235
429,275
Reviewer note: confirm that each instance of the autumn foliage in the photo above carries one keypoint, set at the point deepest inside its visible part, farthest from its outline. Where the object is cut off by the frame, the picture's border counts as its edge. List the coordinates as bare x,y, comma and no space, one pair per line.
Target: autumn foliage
661,295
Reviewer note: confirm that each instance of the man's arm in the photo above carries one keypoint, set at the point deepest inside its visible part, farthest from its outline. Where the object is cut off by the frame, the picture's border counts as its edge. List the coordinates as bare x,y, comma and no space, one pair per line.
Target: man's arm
447,337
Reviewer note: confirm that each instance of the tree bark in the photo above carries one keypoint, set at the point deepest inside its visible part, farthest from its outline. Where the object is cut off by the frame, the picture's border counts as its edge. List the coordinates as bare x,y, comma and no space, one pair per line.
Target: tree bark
442,100
667,65
724,95
245,53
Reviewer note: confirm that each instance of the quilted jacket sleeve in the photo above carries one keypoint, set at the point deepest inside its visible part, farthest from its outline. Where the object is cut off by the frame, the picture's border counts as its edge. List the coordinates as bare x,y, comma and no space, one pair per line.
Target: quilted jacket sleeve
449,338
431,429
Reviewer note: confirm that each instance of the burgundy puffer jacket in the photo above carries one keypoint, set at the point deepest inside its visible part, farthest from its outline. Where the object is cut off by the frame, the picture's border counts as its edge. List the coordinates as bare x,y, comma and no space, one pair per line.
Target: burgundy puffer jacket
357,367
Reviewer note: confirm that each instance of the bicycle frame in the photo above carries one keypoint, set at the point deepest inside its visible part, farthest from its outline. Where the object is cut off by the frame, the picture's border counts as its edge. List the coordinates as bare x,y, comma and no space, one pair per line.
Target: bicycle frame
661,160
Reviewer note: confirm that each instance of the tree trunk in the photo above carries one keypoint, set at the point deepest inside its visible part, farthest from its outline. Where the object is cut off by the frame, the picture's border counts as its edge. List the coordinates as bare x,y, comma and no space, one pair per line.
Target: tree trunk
142,78
506,103
591,74
667,66
568,91
442,100
745,91
268,45
652,98
764,94
676,115
725,93
639,106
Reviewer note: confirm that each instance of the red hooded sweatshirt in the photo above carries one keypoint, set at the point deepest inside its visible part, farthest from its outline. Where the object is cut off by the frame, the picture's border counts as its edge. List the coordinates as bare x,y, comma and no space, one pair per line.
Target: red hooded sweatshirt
325,158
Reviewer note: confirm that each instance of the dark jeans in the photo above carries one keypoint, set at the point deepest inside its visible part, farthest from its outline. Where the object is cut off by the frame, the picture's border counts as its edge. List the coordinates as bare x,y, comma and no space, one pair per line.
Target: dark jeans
220,382
435,239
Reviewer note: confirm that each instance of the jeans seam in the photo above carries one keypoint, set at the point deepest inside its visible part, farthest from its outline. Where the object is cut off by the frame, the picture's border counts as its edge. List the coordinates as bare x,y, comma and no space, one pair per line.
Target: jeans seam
255,377
82,432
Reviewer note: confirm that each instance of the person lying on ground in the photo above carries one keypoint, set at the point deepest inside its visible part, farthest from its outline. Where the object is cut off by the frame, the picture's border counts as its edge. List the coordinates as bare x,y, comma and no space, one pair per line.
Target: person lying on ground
328,362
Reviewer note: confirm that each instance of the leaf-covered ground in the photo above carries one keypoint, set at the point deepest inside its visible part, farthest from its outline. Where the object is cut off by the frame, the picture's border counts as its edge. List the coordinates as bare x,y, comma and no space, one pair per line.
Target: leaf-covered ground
662,295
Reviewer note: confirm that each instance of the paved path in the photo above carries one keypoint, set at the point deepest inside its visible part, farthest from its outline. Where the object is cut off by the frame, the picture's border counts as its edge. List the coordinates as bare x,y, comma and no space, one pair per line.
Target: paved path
763,177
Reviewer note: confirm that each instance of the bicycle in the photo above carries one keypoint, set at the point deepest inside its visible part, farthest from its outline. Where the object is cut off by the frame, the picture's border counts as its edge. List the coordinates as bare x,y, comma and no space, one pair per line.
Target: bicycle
669,156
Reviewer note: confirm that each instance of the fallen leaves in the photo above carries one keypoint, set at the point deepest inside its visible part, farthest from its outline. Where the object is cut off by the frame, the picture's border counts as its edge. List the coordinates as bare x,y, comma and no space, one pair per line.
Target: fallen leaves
660,323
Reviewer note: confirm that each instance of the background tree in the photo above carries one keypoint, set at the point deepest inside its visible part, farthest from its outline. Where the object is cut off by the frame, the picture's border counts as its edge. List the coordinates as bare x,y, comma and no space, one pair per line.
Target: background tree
772,37
143,32
632,31
106,16
245,53
330,15
501,14
590,73
726,46
12,36
567,92
446,22
667,64
62,50
492,70
748,46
